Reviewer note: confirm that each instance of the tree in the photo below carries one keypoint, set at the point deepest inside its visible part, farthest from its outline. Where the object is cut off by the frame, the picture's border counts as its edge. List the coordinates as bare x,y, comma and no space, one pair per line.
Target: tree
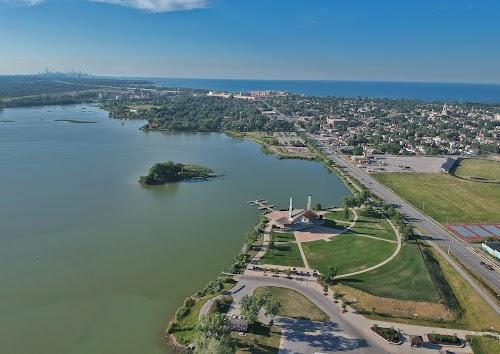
332,273
397,217
250,306
407,231
213,346
346,212
213,326
349,201
318,206
328,278
272,306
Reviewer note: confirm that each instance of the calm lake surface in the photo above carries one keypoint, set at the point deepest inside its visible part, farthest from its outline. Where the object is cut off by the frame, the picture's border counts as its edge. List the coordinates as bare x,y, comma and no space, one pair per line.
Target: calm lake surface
90,261
426,91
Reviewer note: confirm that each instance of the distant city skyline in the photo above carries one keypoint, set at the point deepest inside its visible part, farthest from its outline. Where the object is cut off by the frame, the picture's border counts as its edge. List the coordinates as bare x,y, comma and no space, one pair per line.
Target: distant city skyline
361,40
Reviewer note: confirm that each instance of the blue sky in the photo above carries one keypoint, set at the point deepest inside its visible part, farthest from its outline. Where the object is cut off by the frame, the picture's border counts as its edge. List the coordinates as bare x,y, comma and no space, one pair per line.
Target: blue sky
404,40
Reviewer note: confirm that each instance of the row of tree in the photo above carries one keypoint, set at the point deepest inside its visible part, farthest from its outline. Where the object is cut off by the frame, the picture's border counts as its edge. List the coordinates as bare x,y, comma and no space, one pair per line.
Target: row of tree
213,331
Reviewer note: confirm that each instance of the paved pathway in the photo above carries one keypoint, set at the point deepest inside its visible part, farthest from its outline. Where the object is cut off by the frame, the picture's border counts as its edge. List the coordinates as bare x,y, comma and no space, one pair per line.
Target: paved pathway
265,244
302,254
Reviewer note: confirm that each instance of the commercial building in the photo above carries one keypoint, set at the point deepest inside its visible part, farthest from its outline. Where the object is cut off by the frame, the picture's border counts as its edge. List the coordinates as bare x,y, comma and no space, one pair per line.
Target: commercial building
492,248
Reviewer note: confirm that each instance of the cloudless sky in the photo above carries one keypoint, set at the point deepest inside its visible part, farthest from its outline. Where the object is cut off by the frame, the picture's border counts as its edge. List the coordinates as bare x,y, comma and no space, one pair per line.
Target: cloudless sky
408,40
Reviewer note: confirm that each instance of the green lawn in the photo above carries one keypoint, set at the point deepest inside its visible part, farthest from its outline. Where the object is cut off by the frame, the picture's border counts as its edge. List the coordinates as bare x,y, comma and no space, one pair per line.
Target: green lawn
283,236
339,215
484,345
446,198
406,277
286,254
347,252
480,169
338,225
372,224
295,305
261,340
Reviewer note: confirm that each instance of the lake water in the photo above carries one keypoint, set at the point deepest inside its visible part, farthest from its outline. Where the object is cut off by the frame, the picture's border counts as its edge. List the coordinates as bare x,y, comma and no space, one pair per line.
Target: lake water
426,91
90,261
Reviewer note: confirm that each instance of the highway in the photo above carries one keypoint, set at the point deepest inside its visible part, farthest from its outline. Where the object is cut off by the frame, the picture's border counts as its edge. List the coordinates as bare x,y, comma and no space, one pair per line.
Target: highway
440,235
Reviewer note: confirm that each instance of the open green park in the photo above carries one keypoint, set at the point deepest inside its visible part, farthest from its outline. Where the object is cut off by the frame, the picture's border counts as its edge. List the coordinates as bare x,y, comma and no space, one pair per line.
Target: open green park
284,251
369,242
478,170
294,304
406,277
446,198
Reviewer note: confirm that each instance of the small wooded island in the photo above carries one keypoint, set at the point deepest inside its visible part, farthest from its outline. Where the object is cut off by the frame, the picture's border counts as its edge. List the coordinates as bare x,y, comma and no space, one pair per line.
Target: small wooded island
169,172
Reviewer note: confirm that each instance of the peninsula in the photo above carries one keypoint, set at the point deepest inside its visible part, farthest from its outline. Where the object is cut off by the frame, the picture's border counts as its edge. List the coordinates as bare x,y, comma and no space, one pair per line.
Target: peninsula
170,172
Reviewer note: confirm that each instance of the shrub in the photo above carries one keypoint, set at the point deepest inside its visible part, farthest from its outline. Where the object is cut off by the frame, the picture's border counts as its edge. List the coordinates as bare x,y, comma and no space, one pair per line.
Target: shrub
171,327
189,302
389,334
181,313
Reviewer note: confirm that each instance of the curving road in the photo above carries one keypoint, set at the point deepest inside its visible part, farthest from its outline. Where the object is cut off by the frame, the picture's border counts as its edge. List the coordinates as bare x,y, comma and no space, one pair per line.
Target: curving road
347,332
301,336
456,247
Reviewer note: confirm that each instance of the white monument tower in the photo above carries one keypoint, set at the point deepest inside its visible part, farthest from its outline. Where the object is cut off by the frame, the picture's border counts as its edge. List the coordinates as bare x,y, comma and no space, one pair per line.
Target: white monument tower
309,200
290,209
444,112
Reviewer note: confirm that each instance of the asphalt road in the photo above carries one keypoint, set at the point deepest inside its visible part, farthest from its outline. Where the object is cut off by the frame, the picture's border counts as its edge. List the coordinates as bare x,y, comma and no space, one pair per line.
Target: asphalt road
456,247
301,336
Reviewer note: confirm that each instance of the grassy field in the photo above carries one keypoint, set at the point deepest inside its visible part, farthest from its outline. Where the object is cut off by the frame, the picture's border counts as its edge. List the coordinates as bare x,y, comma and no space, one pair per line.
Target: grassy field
477,314
295,305
405,277
283,236
371,223
339,215
262,340
484,345
478,169
351,251
347,253
286,254
446,198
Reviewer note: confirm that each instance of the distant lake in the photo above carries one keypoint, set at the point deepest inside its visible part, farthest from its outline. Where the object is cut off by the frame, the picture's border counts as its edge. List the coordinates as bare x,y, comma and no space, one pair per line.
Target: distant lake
90,261
379,89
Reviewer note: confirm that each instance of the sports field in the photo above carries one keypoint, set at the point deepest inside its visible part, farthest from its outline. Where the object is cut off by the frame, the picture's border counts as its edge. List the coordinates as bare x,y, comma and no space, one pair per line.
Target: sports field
446,198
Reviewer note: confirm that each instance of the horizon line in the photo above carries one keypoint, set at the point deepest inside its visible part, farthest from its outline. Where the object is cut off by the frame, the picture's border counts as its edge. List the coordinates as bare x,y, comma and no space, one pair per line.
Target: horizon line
261,79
